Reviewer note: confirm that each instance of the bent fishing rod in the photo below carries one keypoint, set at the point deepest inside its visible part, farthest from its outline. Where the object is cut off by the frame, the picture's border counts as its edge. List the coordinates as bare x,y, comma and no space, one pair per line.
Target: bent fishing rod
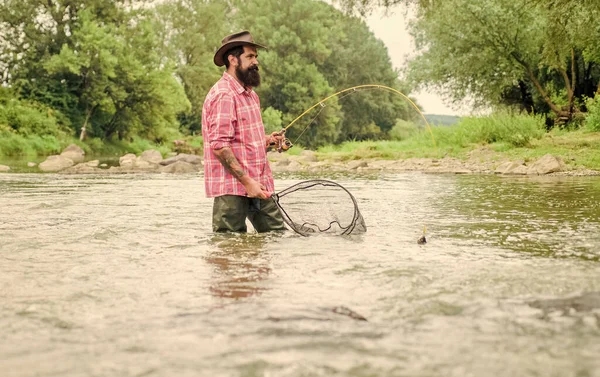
284,144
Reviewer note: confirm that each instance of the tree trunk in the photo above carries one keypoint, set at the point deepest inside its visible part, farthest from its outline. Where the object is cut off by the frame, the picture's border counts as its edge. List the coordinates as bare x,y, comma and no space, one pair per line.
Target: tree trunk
567,113
537,84
573,78
83,134
526,98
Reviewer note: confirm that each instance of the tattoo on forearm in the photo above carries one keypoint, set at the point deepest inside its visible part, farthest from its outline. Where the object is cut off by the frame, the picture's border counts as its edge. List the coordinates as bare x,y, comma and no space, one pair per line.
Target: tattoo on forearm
228,160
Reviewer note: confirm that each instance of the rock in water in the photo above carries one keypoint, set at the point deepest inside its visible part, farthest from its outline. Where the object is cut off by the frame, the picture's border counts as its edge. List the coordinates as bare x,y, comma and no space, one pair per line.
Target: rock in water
348,312
584,303
74,153
56,163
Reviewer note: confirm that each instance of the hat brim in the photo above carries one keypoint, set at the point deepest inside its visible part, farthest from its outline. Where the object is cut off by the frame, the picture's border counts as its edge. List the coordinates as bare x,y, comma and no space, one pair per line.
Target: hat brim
218,59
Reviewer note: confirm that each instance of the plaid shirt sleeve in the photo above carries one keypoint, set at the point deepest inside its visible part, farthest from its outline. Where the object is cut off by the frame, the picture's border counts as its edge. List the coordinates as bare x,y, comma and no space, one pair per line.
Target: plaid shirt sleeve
221,122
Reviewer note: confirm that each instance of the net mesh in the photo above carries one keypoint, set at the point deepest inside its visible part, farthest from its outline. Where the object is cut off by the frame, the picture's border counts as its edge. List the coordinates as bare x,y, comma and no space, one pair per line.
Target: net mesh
320,206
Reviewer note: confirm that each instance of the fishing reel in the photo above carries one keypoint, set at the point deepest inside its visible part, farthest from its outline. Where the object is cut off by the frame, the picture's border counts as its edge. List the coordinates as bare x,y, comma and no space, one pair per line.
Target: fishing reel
281,145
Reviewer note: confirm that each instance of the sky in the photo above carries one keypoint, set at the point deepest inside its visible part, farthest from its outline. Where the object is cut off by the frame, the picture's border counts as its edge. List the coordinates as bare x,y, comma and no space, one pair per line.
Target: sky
391,29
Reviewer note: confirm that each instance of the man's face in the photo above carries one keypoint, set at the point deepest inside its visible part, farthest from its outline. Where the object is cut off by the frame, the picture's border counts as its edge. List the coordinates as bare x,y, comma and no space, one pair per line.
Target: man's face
246,68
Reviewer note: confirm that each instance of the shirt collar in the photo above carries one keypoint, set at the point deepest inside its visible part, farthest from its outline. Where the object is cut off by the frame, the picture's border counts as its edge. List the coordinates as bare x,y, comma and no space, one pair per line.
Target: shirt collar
239,88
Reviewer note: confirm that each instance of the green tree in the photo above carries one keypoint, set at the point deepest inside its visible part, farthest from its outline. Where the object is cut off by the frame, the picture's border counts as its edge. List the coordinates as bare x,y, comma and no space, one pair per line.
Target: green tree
90,64
540,54
315,51
359,58
192,30
97,61
296,34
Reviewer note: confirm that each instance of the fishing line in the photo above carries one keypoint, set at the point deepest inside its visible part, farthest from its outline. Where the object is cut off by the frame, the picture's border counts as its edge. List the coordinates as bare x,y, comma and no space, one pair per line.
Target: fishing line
313,119
323,107
354,89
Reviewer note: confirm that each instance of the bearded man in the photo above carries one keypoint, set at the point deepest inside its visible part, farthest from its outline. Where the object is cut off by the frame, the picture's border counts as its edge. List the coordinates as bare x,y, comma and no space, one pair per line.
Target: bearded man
236,170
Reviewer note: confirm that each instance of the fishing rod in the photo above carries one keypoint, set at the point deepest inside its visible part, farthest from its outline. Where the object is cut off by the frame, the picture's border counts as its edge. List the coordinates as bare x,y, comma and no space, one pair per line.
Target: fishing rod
286,144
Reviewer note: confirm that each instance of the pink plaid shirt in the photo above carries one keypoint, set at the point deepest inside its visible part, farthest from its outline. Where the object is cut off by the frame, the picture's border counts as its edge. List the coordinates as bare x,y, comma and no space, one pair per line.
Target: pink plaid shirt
231,118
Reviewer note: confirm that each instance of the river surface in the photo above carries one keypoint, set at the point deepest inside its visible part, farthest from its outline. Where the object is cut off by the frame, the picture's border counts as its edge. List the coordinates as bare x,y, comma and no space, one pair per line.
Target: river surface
121,276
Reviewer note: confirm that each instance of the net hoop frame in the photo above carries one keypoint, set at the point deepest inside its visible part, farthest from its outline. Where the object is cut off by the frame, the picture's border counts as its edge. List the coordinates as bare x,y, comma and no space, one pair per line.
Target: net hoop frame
311,183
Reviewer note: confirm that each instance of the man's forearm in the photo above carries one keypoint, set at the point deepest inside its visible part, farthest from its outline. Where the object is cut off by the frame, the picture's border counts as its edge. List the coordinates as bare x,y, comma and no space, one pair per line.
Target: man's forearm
228,160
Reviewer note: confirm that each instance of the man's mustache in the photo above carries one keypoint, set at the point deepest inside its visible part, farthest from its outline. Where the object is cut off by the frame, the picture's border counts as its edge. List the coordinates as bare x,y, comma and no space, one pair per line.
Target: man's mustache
253,68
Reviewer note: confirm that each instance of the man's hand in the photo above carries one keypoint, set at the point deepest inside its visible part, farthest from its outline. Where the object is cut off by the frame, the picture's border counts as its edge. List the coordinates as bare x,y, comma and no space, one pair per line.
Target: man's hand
255,189
274,139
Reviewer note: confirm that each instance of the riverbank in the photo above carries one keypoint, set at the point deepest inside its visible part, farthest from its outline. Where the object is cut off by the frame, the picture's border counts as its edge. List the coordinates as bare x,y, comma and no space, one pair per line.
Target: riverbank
557,153
478,161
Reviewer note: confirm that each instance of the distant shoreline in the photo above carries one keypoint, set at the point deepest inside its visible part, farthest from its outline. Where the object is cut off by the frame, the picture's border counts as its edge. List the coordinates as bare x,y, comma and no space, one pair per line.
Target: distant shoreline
479,161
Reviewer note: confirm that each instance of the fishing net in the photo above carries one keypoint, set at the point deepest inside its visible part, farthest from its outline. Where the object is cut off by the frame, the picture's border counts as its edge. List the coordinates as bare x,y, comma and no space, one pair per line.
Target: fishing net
320,206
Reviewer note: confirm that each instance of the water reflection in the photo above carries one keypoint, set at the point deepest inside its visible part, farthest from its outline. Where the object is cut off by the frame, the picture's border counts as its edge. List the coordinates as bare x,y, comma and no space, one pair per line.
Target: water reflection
240,264
547,217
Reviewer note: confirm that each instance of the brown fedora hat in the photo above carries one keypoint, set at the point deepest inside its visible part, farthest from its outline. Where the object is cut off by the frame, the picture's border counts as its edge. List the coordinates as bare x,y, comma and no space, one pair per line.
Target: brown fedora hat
243,38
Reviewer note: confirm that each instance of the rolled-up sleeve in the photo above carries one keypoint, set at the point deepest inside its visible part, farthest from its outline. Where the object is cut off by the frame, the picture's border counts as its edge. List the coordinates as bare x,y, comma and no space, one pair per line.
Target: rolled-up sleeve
221,129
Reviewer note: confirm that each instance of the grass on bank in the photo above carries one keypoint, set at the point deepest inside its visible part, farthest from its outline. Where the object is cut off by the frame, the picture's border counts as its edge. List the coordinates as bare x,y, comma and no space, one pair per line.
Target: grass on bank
503,135
517,137
16,145
441,141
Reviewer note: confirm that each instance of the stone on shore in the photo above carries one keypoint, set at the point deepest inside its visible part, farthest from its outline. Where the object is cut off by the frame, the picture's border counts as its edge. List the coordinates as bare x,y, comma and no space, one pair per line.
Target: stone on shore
546,165
143,164
512,168
56,163
308,156
83,168
287,166
276,156
189,158
74,153
152,156
127,161
282,163
31,164
4,168
355,164
179,167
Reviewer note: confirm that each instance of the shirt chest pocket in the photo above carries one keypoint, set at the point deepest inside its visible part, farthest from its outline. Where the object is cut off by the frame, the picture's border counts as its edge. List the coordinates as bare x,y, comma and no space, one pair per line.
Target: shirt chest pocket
249,126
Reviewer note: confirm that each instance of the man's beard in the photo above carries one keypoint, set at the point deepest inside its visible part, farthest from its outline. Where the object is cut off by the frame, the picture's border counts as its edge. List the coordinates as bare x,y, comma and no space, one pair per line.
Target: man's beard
249,77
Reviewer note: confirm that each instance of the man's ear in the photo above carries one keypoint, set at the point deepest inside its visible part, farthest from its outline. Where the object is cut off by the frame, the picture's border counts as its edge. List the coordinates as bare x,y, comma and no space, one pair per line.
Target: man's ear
233,61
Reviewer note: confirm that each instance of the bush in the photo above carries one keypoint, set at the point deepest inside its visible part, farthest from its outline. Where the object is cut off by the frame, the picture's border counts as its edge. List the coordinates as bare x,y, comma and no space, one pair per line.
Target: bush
12,144
32,119
516,130
592,121
402,130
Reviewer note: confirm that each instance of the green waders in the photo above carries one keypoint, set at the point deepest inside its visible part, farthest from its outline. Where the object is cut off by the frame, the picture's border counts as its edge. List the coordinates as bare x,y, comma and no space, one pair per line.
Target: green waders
230,213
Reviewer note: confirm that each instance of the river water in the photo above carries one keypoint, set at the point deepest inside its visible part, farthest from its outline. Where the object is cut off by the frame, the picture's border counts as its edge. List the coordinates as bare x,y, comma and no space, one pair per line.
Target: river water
121,276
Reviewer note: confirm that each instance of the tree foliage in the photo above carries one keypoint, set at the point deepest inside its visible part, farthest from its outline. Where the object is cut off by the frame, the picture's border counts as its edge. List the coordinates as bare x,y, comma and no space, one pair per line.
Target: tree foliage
94,60
315,51
125,68
540,55
192,30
